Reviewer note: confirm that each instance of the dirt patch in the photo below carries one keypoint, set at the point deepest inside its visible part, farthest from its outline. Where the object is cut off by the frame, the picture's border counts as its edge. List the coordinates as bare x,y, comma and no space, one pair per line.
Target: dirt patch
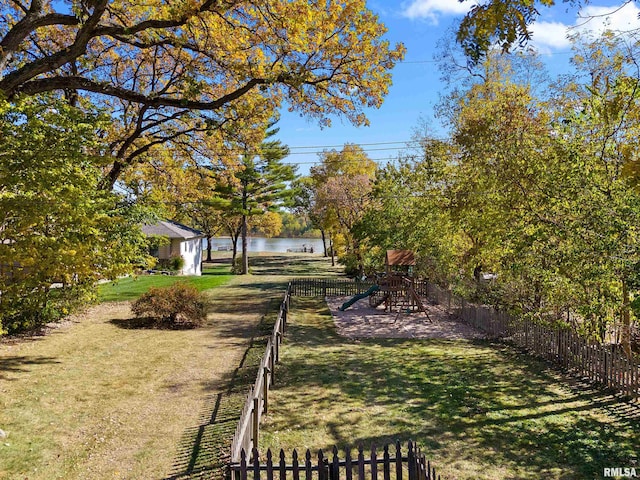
362,321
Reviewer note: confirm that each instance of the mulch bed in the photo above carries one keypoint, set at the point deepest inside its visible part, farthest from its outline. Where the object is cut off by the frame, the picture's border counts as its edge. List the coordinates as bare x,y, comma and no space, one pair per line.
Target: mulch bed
362,321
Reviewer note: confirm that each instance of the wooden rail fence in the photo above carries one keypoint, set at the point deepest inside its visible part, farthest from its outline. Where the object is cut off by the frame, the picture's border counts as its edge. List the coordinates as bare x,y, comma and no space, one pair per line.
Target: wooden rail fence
257,403
390,463
603,364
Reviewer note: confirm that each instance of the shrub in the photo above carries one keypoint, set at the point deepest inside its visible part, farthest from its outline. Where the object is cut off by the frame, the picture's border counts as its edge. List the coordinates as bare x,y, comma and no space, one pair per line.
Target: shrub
179,305
351,267
24,307
236,268
176,262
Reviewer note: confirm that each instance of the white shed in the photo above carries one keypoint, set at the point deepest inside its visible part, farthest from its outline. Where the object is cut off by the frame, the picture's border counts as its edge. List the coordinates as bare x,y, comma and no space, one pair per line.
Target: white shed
184,241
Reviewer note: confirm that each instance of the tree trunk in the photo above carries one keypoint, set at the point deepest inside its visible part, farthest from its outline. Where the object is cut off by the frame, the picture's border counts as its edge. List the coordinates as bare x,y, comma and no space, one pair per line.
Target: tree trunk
333,260
234,233
209,248
625,339
245,257
324,243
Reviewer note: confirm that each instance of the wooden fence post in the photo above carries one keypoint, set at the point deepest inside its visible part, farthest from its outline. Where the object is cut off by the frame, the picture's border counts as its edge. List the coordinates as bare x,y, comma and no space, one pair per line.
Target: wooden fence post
256,421
283,323
607,369
283,465
411,462
307,464
374,463
360,463
386,464
243,466
347,465
273,359
334,473
269,465
295,465
256,464
322,471
265,389
398,461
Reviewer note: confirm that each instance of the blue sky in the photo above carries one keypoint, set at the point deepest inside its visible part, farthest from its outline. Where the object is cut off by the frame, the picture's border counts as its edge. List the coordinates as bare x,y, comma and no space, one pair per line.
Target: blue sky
420,25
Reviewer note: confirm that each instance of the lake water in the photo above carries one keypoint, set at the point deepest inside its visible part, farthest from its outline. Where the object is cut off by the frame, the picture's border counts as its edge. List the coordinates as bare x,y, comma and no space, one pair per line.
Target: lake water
261,244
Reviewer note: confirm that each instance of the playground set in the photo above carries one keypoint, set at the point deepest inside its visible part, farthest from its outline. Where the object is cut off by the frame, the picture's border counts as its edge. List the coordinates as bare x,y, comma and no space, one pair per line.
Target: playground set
395,288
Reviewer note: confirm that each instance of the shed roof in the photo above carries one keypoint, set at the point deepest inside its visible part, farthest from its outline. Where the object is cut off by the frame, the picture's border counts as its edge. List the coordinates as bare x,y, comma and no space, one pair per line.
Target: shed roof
172,230
400,258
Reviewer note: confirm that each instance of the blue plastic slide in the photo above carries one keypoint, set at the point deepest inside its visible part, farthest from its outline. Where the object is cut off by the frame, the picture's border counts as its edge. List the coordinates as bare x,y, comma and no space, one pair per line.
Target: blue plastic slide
360,296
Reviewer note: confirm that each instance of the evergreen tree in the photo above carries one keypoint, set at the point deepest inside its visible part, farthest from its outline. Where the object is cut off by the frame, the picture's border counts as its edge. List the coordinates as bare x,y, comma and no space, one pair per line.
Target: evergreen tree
258,186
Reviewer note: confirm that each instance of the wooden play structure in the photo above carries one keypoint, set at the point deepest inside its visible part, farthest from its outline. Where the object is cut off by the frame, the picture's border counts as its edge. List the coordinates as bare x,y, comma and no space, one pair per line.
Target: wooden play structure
397,284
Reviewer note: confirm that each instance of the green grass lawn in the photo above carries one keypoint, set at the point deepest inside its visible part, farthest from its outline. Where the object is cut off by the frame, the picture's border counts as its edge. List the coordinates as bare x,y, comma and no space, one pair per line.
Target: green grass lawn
479,410
131,288
100,397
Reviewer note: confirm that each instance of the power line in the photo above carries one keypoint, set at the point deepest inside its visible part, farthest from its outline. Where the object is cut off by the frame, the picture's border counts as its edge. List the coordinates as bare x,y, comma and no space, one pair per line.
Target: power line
321,149
365,151
403,142
318,162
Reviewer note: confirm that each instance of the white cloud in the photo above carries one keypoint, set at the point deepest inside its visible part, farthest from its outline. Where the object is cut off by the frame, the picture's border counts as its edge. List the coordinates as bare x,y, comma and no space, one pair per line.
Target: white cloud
619,19
432,10
550,35
593,19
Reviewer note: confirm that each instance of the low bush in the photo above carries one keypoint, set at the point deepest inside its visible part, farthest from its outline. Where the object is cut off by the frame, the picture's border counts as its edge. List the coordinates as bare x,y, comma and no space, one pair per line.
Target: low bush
25,307
179,305
236,268
174,264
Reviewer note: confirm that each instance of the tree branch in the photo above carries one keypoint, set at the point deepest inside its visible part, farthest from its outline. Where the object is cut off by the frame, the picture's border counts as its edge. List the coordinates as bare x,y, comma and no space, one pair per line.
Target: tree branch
30,22
79,83
11,82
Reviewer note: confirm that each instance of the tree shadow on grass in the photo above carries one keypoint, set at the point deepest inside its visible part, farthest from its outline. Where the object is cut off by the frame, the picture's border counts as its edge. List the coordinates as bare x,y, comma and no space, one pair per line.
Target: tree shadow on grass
19,364
477,402
214,273
245,298
267,286
203,451
147,323
292,265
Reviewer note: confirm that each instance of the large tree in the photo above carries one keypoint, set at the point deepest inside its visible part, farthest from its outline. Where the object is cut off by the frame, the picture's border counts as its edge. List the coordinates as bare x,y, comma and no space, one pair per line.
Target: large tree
535,191
505,22
606,134
156,63
412,211
258,186
59,233
342,184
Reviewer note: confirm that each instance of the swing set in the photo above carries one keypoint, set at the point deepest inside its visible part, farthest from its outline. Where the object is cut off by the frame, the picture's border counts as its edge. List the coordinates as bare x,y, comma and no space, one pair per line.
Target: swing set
397,285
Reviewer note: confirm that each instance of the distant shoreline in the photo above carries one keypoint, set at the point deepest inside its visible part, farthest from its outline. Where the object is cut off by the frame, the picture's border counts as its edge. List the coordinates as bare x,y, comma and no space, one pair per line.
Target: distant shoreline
264,244
227,237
